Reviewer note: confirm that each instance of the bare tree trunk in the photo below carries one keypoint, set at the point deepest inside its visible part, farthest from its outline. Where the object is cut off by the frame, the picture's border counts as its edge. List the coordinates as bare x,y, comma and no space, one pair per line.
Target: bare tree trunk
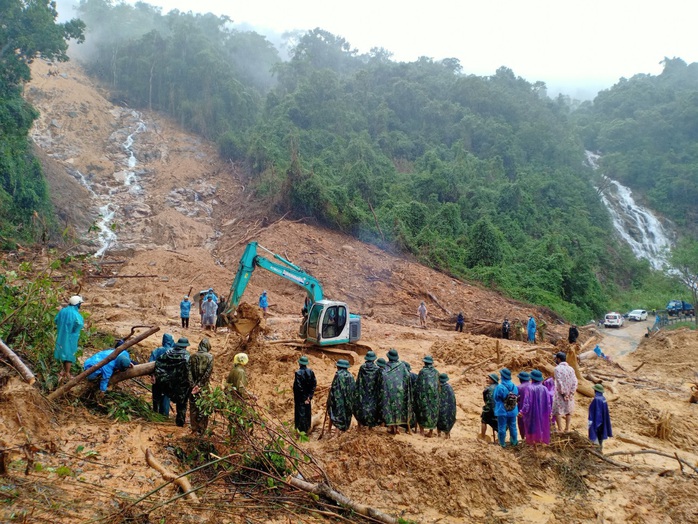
17,363
136,371
82,376
325,491
182,482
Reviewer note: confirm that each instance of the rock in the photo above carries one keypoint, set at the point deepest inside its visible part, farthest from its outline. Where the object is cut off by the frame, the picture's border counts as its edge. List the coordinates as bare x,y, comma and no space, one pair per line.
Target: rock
55,123
109,283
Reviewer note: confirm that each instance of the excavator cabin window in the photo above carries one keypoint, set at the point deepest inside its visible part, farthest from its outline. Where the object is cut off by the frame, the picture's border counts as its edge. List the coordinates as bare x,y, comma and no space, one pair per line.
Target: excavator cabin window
334,321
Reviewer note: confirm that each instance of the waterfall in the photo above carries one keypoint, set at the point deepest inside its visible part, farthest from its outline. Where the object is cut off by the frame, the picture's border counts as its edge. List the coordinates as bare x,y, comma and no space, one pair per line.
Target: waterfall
107,212
637,226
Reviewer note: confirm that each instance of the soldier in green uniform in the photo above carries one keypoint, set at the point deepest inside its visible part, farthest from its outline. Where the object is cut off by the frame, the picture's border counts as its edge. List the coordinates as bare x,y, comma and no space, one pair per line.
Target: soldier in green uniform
542,325
200,369
397,392
427,397
237,378
369,385
173,378
518,330
341,398
447,407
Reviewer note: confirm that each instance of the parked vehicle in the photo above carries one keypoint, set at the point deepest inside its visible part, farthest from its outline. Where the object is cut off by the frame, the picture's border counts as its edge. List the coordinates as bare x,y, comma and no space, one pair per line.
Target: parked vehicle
638,315
679,307
613,320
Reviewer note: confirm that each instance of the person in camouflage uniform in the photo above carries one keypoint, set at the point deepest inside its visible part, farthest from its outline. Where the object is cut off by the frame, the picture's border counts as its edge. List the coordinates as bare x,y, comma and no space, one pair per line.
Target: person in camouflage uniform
487,417
542,326
518,330
447,407
397,393
427,397
369,386
413,399
173,378
341,398
161,403
200,369
304,384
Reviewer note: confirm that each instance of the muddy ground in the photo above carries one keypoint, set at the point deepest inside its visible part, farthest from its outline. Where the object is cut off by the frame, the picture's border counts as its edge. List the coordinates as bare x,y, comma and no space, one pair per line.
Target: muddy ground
181,219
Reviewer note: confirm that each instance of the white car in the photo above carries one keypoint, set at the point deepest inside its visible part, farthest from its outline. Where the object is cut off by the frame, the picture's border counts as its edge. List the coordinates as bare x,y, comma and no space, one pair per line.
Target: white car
638,315
613,320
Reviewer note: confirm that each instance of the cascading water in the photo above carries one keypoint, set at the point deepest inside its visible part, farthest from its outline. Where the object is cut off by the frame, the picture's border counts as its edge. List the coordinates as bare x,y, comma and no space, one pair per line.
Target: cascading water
638,226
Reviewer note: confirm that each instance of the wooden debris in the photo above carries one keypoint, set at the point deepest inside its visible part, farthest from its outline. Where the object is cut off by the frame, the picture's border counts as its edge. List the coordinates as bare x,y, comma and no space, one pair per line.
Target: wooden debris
17,364
112,356
326,491
168,476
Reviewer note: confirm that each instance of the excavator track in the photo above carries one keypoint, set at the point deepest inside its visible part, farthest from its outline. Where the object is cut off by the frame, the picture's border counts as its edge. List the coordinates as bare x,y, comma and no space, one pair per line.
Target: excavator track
354,353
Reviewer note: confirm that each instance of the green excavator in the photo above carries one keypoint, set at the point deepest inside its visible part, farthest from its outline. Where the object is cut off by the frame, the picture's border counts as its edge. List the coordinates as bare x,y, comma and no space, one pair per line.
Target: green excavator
327,323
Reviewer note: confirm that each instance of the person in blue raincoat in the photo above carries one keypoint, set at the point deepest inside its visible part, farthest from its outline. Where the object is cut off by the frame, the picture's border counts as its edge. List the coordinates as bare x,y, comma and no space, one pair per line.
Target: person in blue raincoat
599,418
211,294
184,310
161,402
531,328
506,418
69,324
103,374
264,302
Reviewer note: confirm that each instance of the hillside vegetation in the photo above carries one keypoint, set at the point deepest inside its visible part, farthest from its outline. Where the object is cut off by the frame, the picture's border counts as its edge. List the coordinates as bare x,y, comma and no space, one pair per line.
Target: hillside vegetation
480,177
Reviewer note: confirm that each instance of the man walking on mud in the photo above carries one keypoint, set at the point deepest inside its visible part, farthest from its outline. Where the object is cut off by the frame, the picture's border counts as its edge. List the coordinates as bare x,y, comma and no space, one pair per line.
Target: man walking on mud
200,370
422,312
173,376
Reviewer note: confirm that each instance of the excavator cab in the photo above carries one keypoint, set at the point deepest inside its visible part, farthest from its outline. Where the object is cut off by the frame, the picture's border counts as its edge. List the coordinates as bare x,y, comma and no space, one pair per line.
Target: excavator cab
330,323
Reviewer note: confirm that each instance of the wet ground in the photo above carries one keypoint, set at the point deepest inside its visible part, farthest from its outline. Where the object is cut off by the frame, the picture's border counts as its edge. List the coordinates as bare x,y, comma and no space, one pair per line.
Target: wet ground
621,341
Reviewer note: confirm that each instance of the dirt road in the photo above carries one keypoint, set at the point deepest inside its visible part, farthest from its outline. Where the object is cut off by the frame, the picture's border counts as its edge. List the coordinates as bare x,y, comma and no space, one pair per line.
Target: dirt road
618,342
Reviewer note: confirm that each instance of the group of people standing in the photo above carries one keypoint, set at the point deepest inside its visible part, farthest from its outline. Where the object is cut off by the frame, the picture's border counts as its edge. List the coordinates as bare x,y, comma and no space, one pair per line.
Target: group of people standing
180,377
384,393
211,310
530,410
524,333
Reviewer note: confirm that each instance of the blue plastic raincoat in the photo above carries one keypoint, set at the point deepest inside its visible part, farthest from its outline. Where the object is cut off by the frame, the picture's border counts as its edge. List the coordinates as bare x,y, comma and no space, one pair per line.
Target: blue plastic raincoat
105,373
531,328
184,308
69,323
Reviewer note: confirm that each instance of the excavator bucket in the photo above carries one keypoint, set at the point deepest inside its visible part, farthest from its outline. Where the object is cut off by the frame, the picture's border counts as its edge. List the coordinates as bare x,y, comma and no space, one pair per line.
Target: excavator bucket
246,319
244,326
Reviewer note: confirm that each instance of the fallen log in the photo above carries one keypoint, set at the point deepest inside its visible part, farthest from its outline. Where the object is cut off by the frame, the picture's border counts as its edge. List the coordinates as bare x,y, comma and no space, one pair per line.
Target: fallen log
17,364
82,376
478,364
435,300
681,461
325,491
139,370
168,476
584,387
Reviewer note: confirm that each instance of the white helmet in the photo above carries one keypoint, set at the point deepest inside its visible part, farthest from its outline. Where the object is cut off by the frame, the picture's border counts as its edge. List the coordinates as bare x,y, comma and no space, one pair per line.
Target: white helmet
75,300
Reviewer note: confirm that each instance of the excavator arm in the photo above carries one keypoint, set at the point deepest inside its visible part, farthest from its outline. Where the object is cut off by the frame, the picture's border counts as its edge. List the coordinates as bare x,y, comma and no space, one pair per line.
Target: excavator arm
285,269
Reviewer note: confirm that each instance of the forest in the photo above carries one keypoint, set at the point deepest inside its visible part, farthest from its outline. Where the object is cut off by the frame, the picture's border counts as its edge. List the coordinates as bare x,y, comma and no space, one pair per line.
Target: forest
483,178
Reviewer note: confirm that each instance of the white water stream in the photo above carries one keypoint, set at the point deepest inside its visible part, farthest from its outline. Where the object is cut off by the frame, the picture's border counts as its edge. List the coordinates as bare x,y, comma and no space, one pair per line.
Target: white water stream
637,226
107,236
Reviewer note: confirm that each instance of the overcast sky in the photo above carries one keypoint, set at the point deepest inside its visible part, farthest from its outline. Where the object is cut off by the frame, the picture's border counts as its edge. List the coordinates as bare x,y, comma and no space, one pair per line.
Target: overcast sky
568,44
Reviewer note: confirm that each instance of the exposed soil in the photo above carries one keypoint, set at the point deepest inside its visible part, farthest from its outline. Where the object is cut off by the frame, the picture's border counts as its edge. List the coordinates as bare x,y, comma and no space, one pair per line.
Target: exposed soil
184,227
